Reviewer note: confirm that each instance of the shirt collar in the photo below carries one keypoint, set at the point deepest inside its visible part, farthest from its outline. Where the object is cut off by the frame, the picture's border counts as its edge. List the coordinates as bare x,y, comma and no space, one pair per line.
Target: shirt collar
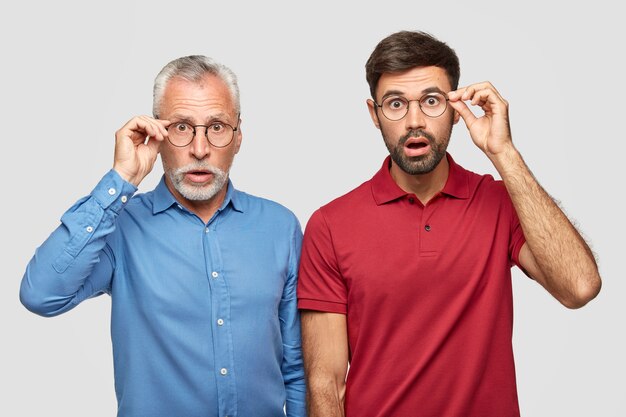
163,198
385,189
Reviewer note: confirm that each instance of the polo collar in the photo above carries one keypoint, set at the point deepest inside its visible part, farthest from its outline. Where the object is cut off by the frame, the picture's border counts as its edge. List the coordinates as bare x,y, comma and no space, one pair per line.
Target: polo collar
385,189
163,198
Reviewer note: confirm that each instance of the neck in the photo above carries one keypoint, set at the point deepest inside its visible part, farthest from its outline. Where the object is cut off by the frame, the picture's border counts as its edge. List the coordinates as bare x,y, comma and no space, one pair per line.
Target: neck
424,186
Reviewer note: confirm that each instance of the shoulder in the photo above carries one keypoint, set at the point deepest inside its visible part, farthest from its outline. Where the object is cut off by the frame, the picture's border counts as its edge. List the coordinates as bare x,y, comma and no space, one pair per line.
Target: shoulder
344,211
487,192
255,203
349,202
483,185
264,209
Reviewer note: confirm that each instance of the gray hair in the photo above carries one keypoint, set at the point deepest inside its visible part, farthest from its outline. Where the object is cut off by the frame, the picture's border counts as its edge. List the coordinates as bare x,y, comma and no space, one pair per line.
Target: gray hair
193,68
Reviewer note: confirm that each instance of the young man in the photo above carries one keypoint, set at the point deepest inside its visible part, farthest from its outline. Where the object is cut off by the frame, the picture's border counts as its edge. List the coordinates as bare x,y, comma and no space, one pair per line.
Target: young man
407,277
202,276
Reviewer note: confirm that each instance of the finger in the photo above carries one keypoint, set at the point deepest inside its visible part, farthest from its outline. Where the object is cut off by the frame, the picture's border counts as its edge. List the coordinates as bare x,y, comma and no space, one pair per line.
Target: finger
455,95
153,128
467,92
160,124
482,97
490,101
153,145
135,129
164,123
486,85
466,114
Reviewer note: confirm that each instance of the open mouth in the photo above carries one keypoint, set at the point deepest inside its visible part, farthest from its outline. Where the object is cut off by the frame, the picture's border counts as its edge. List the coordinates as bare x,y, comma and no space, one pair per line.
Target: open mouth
199,176
416,146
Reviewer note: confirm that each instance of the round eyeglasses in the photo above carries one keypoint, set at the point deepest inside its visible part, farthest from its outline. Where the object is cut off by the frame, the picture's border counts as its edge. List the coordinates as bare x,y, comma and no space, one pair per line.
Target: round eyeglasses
219,134
396,107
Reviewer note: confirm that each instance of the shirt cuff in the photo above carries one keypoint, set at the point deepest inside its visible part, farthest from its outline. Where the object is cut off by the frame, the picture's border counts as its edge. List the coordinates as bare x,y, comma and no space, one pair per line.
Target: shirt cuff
113,192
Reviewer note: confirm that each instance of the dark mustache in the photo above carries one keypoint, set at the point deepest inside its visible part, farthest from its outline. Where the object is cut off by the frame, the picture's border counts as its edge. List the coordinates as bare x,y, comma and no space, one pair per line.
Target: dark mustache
415,134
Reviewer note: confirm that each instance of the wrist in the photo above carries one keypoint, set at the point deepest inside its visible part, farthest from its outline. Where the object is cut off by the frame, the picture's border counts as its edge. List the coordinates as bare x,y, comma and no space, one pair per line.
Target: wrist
507,159
126,176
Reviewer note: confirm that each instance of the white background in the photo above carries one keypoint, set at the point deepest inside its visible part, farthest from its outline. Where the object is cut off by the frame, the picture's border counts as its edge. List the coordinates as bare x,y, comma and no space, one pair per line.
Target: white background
73,72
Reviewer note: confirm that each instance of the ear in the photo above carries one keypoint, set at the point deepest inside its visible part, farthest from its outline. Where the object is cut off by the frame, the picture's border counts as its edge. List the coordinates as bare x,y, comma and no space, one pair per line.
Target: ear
457,117
238,137
371,106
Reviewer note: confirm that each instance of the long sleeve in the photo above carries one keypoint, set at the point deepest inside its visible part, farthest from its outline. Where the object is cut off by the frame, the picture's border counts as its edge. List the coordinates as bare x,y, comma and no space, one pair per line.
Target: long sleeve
75,262
293,367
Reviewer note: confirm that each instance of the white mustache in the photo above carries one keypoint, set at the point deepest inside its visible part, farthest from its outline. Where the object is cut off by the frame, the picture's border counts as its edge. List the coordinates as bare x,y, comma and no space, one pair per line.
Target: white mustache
198,166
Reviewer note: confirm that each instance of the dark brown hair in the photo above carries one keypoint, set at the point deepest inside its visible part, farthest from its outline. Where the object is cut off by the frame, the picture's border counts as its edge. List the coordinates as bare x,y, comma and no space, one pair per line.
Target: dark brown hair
404,50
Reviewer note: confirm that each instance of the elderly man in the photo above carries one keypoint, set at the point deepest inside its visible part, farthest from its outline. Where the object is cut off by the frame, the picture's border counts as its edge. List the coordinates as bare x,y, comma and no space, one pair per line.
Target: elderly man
201,276
408,277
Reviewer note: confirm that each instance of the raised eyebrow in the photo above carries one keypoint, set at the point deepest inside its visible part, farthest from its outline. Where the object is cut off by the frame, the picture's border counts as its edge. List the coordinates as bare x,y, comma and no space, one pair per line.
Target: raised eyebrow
218,118
392,93
433,90
399,93
177,118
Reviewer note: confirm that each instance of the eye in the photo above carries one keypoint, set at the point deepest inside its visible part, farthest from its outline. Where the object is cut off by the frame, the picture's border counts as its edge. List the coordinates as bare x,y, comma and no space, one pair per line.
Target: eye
181,127
217,128
431,101
395,103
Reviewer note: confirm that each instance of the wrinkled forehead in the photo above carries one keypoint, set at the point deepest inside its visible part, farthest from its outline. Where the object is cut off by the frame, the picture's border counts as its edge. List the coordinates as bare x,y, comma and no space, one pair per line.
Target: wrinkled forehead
413,81
207,95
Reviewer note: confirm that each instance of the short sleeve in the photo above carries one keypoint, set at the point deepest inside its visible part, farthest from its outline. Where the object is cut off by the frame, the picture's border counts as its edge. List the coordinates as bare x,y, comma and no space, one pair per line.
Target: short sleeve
321,286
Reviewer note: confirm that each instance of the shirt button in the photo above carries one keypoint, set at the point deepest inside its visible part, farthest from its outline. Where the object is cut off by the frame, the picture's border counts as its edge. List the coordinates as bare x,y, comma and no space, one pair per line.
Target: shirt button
214,274
111,191
124,199
220,322
411,200
427,228
223,371
206,230
89,229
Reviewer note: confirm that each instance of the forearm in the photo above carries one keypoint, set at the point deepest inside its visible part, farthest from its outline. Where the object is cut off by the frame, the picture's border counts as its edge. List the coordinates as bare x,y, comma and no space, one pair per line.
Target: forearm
293,367
325,349
566,264
58,276
325,397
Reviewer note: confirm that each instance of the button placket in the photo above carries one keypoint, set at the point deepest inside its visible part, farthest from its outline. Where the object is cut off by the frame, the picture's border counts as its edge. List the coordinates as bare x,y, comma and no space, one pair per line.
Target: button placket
220,306
428,236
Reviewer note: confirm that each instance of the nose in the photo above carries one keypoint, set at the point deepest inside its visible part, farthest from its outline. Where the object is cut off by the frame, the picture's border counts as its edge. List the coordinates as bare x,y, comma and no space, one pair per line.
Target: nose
200,146
415,118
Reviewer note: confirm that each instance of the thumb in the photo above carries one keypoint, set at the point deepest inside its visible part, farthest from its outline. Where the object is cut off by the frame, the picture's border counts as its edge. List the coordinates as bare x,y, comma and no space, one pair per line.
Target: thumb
468,117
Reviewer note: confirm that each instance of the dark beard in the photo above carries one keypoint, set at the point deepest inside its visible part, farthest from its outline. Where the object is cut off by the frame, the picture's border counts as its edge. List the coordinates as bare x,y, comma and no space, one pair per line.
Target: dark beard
418,164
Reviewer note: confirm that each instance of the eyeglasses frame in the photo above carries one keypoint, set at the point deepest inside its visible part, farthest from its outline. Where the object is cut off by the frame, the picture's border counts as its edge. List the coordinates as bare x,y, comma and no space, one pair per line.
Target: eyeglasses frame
206,133
408,105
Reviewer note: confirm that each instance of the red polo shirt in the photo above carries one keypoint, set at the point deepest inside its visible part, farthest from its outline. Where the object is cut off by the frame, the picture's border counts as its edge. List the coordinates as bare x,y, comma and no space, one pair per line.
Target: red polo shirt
427,294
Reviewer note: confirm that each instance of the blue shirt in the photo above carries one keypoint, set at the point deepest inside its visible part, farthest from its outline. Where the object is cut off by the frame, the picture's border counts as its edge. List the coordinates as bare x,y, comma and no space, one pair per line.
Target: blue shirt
204,319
